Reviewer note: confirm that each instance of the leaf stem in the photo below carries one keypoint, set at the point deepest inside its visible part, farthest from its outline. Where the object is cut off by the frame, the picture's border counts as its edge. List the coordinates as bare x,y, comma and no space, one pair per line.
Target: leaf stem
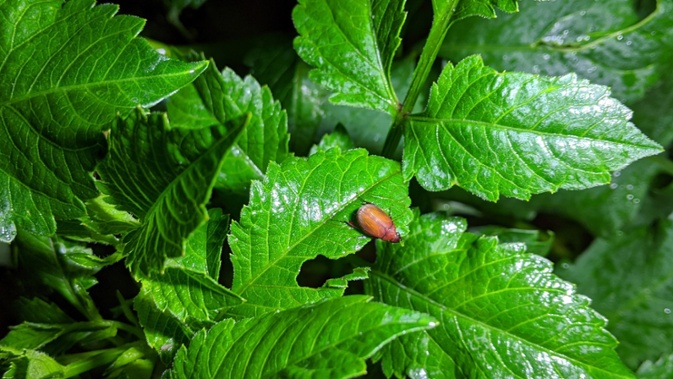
438,30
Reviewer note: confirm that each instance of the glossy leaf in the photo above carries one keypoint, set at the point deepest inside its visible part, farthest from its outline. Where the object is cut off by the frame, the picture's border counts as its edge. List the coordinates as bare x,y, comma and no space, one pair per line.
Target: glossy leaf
167,190
330,339
221,98
518,134
351,44
301,210
501,311
629,279
605,42
67,68
605,210
469,8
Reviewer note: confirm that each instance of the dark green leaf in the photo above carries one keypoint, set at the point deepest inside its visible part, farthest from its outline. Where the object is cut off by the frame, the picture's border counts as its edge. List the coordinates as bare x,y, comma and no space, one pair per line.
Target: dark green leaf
164,177
662,368
330,339
173,305
59,265
221,98
607,209
603,41
629,280
301,210
502,312
67,68
278,66
351,44
518,134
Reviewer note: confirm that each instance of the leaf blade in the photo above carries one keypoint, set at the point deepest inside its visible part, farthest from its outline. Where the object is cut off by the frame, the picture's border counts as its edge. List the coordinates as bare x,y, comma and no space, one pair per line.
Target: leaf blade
294,215
517,134
500,310
268,346
351,44
69,73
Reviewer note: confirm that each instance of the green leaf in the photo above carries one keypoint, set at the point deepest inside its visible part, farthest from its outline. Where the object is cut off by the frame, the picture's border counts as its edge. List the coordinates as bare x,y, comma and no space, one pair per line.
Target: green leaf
69,68
277,65
605,42
605,210
368,127
662,368
654,113
502,312
351,44
56,339
31,364
39,311
60,265
469,8
536,241
163,177
162,330
330,339
221,98
629,280
173,305
338,138
517,134
301,210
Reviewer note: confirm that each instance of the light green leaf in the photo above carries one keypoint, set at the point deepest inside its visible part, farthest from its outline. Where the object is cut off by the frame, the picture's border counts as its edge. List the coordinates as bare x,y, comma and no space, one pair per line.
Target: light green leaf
55,339
606,42
301,210
163,332
163,177
330,339
351,44
469,8
518,134
338,138
502,313
221,98
67,68
31,364
629,280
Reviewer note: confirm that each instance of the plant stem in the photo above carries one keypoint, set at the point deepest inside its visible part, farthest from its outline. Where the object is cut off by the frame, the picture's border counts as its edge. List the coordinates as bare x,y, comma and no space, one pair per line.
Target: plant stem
440,25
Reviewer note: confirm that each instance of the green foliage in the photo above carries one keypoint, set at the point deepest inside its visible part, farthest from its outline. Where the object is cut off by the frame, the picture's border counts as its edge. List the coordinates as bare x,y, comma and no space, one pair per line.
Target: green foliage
156,219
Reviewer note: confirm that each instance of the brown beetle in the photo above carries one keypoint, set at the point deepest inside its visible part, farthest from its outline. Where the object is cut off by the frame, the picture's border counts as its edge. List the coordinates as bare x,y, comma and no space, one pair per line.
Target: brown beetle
376,223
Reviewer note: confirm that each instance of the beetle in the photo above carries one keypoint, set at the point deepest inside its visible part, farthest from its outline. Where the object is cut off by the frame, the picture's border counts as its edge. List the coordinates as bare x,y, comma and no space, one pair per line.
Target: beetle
376,223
